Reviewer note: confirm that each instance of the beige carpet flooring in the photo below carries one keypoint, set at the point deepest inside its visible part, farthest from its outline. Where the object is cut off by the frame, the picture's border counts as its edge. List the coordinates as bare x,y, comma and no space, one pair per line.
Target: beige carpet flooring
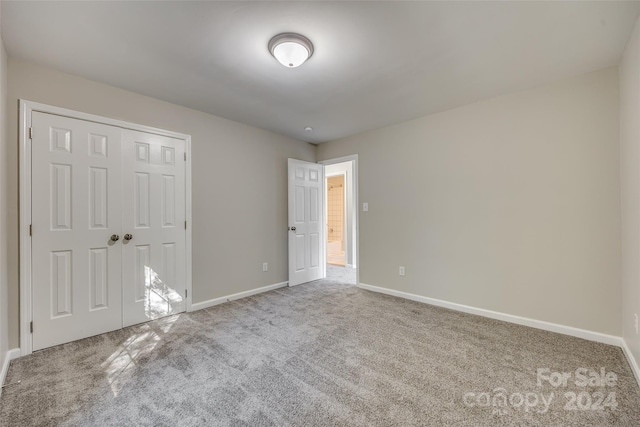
323,354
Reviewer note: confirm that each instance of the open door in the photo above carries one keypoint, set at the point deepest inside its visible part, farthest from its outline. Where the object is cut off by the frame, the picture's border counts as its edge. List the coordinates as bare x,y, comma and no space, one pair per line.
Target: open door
306,222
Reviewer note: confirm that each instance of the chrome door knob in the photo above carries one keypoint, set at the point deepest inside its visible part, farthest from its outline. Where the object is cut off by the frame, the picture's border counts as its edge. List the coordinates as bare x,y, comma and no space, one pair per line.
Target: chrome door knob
128,237
115,237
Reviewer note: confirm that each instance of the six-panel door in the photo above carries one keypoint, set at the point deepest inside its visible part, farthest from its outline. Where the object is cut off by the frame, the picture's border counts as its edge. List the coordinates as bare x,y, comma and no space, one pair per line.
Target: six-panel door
306,183
154,264
76,278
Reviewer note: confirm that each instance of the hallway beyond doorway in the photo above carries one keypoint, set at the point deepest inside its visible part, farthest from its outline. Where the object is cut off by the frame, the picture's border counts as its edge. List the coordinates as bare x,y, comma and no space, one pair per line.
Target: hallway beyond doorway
346,275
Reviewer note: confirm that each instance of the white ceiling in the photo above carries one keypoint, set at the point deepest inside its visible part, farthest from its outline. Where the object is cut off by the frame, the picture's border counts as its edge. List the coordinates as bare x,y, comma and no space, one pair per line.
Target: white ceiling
375,63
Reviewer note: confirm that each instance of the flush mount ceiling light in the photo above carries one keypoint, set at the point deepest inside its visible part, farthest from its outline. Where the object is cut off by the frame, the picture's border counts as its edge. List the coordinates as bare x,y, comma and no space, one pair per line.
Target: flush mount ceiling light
291,49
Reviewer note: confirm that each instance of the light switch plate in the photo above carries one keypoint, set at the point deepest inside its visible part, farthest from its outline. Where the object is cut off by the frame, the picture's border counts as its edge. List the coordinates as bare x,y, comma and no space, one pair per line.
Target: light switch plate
365,207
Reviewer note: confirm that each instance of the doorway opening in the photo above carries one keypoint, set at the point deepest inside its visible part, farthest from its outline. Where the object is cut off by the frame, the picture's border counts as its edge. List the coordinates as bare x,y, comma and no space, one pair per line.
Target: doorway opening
336,220
341,220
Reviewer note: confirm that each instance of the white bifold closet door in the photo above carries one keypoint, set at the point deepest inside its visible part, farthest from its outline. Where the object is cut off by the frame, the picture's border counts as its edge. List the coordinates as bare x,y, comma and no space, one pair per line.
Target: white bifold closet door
108,235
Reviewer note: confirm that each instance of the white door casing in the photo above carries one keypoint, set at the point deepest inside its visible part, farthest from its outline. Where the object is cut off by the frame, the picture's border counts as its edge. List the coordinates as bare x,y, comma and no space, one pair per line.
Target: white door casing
306,221
355,211
75,209
154,263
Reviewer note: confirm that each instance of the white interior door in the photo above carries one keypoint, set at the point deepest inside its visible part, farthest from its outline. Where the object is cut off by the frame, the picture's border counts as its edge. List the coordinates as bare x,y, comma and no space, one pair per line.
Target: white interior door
76,279
154,263
306,219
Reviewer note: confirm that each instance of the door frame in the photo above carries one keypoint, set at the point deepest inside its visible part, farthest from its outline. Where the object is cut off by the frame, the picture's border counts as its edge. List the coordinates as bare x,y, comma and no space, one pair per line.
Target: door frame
26,109
351,158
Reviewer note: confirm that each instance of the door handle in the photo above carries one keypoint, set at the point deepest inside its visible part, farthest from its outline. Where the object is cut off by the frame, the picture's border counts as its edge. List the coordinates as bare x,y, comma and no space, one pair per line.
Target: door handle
128,237
293,229
115,237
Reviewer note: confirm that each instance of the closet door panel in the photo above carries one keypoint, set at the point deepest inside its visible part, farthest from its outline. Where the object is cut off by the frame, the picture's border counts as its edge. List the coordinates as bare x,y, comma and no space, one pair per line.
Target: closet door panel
154,263
76,267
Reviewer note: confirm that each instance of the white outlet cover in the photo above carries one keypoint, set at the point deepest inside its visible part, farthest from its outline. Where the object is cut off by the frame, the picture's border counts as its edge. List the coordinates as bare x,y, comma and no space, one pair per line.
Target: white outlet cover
401,270
265,266
365,207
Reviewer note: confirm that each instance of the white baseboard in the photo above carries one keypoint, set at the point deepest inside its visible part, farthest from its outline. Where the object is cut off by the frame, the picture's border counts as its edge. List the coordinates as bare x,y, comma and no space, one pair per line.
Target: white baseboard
632,360
232,297
539,324
8,357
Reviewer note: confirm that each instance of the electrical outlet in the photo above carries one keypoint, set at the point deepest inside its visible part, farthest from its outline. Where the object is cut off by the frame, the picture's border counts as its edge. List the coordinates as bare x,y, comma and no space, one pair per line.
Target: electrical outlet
365,207
401,270
265,266
635,315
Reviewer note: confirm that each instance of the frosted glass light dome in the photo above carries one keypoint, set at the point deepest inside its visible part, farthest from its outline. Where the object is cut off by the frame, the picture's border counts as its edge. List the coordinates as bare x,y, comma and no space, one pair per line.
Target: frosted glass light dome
290,49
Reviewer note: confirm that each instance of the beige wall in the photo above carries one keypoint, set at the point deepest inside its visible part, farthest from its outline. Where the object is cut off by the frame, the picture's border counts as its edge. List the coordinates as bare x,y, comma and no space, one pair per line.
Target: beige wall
630,188
510,204
4,176
239,181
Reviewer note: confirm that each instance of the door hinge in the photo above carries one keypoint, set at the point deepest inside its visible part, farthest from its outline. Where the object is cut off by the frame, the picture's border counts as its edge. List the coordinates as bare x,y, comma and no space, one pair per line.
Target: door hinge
185,225
30,133
186,293
30,229
31,326
185,157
